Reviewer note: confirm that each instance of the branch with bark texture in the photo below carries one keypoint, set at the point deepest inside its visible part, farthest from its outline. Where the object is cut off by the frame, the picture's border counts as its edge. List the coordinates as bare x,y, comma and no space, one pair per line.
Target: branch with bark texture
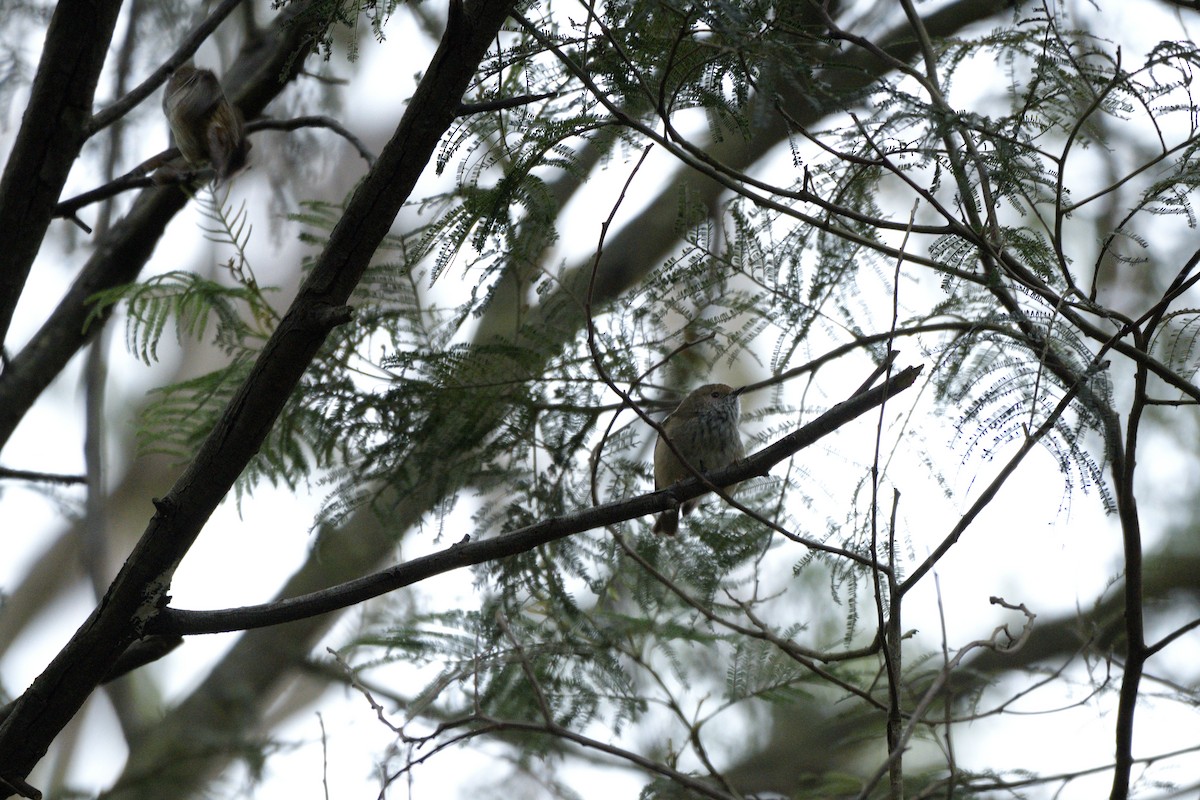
260,662
53,130
140,178
140,589
467,553
252,81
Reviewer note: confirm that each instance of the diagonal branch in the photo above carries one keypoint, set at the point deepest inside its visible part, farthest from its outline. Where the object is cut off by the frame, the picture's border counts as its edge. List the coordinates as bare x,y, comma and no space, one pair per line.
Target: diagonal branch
140,588
187,48
53,130
256,78
468,553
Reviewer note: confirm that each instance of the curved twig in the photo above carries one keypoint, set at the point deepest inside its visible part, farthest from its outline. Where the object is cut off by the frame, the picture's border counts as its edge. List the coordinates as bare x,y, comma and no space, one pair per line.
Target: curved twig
313,121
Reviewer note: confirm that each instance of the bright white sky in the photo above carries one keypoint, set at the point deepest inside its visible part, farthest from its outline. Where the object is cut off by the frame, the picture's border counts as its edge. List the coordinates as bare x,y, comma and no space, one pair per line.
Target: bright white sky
1078,549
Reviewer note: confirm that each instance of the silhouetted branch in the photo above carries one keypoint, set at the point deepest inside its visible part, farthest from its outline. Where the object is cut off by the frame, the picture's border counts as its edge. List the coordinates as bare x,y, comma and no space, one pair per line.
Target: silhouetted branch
499,104
315,121
140,178
39,477
467,553
185,51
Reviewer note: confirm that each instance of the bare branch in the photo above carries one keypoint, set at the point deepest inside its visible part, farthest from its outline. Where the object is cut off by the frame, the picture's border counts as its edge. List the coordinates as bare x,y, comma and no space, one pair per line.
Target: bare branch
315,121
467,553
40,477
187,48
502,103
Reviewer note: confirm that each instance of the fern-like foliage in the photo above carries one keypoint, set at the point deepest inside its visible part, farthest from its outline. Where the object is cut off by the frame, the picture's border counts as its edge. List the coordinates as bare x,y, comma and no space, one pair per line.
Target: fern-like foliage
885,212
234,315
192,304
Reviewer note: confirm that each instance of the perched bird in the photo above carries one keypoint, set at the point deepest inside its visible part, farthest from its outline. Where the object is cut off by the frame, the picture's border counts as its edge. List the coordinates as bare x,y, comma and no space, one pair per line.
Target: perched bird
205,127
704,429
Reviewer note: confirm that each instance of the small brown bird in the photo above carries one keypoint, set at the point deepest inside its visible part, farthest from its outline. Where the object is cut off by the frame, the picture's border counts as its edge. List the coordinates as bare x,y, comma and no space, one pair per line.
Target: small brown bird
704,429
205,127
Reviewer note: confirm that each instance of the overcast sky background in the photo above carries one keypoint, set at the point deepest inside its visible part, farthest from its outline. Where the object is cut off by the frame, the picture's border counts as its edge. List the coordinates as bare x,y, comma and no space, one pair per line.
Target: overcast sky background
242,558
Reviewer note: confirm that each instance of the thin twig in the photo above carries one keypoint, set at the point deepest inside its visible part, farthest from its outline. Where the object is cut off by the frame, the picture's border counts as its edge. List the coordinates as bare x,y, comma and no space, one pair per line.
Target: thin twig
1013,644
313,121
502,103
524,539
187,48
40,477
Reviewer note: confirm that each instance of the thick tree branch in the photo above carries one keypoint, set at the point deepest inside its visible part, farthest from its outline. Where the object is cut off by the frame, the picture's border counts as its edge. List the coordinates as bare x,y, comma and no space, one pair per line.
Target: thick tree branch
466,553
140,588
256,77
52,133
